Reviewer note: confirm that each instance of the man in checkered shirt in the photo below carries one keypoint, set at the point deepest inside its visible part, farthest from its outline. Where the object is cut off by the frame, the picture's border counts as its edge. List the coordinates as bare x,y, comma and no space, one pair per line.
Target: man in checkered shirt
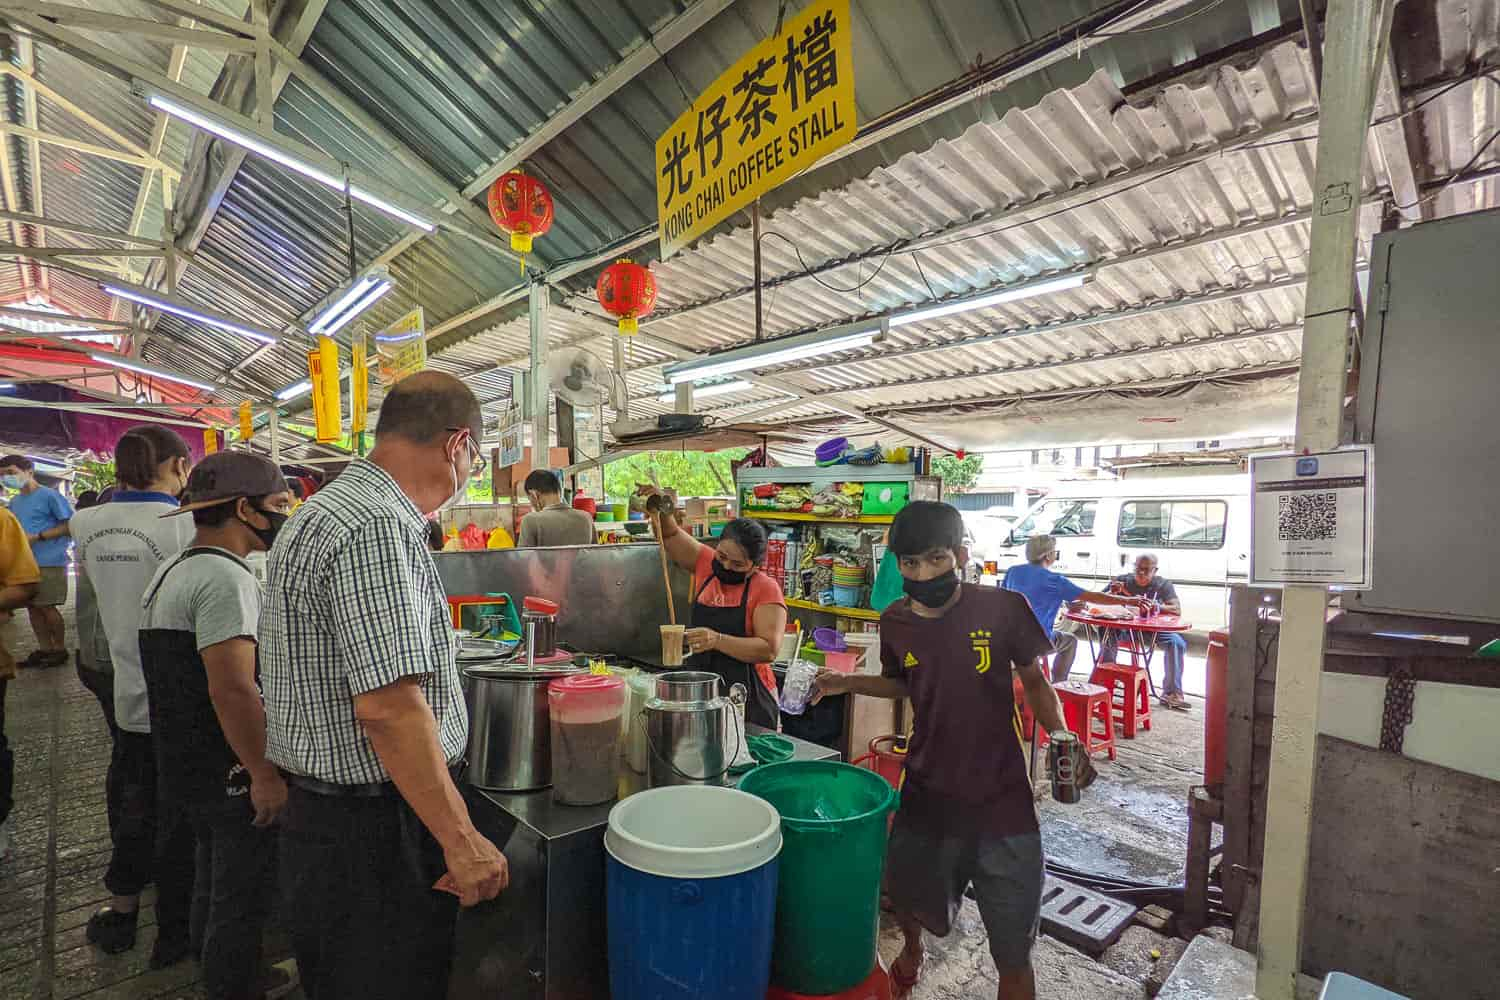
365,715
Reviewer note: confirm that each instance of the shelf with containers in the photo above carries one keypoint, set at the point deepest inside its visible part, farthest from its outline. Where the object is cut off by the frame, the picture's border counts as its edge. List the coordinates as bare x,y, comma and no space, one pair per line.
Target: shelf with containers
841,514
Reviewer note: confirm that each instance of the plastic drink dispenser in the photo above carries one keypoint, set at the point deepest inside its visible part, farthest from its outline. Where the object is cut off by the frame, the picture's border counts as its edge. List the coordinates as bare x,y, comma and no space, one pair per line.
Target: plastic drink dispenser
586,711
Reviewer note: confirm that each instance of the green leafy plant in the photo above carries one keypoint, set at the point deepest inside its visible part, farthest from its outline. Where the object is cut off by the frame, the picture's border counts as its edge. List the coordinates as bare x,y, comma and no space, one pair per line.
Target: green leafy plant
90,475
690,473
959,475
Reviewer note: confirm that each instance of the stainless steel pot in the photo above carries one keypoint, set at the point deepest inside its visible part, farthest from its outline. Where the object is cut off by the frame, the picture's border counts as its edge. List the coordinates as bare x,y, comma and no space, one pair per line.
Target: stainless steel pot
687,685
540,631
685,727
510,725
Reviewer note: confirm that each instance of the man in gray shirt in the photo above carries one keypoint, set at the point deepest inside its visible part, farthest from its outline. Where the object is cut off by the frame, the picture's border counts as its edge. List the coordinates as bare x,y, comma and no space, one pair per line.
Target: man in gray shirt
552,522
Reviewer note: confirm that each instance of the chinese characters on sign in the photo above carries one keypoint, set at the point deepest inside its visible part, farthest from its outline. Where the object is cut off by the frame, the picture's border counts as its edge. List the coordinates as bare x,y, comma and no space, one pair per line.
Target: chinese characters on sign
1310,519
402,348
786,104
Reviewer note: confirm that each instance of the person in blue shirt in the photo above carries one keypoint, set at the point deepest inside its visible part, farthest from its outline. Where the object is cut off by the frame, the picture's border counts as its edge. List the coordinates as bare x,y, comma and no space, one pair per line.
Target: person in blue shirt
44,514
1047,592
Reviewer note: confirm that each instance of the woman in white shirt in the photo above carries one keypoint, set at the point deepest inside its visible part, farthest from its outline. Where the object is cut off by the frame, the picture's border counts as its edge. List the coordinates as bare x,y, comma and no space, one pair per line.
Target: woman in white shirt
120,545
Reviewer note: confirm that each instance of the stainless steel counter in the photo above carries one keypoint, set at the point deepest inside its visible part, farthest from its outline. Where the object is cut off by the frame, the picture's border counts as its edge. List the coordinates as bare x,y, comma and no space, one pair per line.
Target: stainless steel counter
544,937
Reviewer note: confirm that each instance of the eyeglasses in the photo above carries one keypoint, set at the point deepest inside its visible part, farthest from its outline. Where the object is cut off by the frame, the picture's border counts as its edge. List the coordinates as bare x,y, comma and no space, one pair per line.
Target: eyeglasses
477,461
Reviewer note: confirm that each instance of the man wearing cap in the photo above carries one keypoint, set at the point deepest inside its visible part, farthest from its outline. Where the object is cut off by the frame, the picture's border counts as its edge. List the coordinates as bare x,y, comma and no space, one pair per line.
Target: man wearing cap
1046,591
197,639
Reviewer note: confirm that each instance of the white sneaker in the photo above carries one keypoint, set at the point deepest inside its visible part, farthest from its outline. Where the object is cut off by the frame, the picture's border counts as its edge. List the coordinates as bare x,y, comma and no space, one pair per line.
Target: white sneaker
6,829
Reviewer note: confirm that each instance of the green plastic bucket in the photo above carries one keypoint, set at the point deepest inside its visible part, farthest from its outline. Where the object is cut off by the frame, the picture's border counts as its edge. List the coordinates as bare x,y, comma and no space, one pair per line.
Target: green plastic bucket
833,826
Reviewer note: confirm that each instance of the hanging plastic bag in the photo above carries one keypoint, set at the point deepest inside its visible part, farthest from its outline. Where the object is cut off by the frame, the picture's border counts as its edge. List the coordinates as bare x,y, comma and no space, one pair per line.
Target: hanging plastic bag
500,539
887,582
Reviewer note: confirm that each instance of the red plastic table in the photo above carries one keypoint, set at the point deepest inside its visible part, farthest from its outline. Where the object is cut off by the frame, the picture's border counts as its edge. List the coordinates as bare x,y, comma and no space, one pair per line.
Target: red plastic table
1141,632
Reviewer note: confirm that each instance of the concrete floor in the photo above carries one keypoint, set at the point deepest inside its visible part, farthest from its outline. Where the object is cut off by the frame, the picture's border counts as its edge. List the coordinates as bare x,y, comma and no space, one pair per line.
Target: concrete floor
1132,822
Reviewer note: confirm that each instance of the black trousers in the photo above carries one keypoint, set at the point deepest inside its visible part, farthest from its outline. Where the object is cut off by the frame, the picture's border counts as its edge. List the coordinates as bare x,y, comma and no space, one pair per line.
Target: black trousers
100,684
151,844
236,878
356,882
7,763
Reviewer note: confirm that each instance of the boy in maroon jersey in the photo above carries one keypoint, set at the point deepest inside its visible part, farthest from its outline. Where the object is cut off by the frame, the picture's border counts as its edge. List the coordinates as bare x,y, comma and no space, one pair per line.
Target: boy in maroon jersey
967,812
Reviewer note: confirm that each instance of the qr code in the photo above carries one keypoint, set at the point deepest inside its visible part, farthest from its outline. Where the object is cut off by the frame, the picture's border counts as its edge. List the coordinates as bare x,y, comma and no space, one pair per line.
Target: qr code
1307,517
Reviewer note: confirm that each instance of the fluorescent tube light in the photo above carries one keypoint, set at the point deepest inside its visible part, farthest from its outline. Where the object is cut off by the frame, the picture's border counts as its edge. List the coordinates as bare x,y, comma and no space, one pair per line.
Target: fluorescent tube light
717,389
995,298
133,366
293,391
776,352
355,300
262,148
156,302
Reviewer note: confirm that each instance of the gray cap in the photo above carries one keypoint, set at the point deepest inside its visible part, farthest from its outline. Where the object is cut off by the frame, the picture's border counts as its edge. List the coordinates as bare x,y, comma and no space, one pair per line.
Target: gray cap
229,475
1037,547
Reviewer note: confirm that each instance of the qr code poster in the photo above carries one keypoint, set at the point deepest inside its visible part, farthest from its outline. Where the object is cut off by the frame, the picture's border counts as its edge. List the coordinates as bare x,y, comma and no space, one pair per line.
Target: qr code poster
1311,519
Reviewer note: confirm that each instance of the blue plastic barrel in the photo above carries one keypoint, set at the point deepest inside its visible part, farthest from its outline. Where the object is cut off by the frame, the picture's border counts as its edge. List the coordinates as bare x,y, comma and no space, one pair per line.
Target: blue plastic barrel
692,894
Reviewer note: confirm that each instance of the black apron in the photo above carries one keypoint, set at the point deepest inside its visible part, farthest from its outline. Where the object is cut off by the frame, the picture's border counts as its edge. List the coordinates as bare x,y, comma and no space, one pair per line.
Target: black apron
761,708
196,767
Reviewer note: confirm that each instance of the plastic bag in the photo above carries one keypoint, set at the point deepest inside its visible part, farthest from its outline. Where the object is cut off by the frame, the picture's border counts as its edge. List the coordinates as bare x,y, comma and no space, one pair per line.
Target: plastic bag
500,539
797,689
887,588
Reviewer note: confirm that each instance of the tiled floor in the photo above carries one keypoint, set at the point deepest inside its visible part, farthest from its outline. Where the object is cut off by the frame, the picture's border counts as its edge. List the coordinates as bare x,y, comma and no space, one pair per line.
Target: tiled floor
53,879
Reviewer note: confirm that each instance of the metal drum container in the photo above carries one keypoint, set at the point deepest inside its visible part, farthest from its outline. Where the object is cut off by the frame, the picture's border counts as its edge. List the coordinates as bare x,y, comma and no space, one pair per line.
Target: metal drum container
510,725
685,727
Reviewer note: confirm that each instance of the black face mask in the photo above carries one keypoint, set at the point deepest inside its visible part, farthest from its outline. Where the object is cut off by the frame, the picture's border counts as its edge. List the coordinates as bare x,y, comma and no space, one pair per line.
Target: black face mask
728,577
267,535
932,593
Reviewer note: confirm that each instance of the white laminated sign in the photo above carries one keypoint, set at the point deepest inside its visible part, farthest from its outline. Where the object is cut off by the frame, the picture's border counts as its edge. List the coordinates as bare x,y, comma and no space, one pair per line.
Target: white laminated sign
1312,519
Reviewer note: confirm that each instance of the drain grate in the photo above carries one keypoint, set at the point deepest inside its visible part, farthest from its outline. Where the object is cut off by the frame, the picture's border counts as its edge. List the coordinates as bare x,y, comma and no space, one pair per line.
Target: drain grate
1082,917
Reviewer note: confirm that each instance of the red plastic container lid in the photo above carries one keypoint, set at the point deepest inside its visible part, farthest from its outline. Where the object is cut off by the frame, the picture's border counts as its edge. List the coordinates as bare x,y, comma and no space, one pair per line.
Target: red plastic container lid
587,698
540,605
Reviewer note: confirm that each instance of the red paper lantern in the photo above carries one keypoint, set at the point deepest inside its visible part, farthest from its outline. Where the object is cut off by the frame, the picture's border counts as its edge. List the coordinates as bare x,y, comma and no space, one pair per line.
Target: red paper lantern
627,291
522,206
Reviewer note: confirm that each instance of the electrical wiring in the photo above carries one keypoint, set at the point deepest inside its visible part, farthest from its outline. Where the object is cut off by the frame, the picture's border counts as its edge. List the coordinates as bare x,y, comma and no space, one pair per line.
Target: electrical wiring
1458,174
1104,32
808,272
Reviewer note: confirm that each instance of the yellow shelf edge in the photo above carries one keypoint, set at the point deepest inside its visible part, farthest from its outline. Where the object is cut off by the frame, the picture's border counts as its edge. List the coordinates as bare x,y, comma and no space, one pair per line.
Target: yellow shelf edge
778,515
864,614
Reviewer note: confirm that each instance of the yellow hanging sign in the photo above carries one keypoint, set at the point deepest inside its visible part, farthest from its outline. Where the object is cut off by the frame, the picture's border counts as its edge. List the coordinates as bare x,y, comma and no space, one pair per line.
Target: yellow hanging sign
359,386
402,347
247,421
785,105
323,369
210,440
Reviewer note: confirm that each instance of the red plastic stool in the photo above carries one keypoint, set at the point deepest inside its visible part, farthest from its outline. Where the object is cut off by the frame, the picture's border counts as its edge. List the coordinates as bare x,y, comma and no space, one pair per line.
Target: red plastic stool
1129,692
877,987
1087,711
1028,722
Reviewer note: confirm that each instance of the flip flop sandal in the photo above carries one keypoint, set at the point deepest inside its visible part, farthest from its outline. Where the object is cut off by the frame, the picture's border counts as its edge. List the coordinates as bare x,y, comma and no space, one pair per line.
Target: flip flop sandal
903,983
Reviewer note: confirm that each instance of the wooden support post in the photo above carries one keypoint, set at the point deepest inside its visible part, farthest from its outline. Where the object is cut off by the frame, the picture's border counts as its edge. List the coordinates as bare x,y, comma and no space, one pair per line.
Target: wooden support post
1203,811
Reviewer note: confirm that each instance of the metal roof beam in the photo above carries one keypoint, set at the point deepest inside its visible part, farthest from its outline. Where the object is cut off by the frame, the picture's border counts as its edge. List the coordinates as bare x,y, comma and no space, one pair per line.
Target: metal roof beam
26,78
1391,140
47,253
64,318
213,176
73,227
176,62
142,76
95,20
1168,347
35,135
26,56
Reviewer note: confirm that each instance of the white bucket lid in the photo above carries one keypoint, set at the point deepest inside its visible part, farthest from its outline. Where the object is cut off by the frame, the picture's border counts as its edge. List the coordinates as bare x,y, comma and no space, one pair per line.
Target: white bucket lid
693,831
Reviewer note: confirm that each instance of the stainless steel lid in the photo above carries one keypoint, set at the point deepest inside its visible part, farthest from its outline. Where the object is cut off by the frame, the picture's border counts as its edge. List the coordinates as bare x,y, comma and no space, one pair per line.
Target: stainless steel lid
520,672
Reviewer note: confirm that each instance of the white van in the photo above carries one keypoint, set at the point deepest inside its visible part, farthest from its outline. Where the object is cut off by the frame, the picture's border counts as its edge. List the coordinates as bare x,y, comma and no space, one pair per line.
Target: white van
1195,521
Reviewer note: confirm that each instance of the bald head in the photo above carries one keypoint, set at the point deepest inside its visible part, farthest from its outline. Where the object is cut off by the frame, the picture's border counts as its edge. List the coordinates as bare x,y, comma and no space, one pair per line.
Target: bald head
427,406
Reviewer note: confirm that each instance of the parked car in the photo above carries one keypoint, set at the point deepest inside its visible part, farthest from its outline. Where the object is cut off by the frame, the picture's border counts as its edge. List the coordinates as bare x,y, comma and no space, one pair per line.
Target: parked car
1196,522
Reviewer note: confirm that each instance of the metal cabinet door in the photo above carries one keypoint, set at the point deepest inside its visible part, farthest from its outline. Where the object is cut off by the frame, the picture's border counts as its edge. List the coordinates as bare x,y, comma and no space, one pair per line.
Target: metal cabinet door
1428,401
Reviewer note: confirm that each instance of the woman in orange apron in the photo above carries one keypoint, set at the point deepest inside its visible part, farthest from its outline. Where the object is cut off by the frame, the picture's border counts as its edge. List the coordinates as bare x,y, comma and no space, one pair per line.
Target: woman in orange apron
738,613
